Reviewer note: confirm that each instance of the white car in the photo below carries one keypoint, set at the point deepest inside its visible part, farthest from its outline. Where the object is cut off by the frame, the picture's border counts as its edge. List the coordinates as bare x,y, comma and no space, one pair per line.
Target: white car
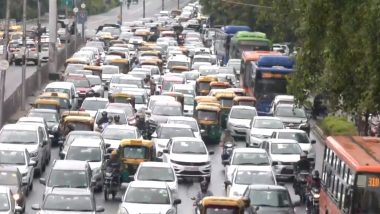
96,85
189,157
92,104
188,108
301,137
113,134
243,176
262,128
157,171
283,99
284,154
184,89
111,113
246,157
148,197
108,71
64,87
187,121
239,120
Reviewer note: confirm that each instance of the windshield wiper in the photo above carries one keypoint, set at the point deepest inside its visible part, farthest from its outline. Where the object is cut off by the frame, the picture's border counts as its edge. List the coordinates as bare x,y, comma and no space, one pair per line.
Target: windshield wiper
264,205
93,161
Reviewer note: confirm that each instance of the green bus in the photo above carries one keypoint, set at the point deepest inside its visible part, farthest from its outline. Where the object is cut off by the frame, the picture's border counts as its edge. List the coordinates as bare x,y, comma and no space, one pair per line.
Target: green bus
248,41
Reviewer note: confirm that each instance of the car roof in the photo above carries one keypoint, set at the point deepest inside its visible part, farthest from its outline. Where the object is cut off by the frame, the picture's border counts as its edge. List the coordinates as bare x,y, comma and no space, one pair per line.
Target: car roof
83,142
31,119
255,168
167,103
67,85
283,141
148,184
249,150
84,133
266,118
24,126
121,127
290,131
70,191
12,147
267,187
171,125
69,165
156,164
192,139
181,118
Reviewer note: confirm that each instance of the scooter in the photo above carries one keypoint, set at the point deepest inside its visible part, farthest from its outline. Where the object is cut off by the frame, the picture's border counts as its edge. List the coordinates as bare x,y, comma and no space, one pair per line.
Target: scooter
228,148
314,199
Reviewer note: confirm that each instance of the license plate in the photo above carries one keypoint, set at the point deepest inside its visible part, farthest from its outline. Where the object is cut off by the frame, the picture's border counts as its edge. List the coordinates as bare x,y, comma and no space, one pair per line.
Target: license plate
191,168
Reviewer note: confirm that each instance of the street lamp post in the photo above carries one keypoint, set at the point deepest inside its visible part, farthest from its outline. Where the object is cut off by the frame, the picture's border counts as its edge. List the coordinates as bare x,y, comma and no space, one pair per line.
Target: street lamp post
75,10
83,6
143,8
121,12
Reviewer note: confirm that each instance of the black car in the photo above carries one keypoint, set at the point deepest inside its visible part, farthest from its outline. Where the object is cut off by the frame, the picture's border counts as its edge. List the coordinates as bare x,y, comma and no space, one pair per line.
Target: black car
11,177
268,199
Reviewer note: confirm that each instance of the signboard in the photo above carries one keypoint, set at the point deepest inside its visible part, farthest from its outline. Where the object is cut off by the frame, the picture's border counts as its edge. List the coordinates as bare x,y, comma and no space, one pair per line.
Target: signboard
4,65
82,16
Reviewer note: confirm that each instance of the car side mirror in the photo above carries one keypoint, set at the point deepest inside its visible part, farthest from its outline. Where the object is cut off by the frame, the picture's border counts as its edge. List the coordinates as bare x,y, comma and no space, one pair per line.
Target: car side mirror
99,209
36,207
177,201
227,183
32,163
43,181
274,163
166,151
62,155
313,141
211,152
226,162
108,145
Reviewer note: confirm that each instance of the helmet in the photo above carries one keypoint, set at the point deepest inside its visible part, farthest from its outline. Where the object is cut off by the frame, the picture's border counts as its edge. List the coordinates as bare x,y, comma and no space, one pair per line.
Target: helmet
104,114
116,118
204,186
114,154
303,155
315,174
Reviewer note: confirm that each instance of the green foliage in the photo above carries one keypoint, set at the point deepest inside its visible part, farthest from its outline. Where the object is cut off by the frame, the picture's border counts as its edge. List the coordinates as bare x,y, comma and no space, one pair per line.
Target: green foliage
337,126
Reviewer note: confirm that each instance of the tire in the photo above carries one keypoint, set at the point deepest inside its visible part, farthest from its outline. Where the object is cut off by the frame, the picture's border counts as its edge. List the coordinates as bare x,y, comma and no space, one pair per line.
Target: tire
31,186
106,194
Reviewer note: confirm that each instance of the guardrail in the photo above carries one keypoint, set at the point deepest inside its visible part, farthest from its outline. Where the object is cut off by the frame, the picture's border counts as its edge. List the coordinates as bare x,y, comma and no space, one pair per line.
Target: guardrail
13,103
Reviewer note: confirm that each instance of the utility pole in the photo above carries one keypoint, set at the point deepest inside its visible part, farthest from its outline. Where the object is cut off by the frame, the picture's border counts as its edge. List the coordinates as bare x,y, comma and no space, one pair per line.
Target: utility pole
75,10
4,65
38,43
178,4
23,88
121,12
53,38
143,8
6,38
163,4
83,6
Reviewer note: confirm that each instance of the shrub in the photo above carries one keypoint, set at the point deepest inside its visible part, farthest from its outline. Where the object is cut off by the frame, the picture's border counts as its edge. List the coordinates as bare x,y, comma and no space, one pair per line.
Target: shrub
333,125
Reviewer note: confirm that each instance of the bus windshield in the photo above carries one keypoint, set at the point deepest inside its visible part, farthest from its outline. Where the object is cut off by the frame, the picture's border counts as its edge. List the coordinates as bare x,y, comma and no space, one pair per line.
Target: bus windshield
270,87
367,194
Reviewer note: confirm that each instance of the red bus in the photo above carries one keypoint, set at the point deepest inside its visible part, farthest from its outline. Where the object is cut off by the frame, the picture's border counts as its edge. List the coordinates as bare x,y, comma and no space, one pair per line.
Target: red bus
351,175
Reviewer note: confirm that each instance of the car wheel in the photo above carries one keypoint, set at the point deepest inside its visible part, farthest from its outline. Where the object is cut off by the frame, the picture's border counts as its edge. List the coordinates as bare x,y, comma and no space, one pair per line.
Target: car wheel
31,186
106,195
43,166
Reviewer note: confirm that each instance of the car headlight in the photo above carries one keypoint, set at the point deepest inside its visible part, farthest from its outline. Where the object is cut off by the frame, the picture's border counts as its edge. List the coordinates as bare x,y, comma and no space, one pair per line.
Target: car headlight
170,211
16,196
303,125
33,154
122,210
257,135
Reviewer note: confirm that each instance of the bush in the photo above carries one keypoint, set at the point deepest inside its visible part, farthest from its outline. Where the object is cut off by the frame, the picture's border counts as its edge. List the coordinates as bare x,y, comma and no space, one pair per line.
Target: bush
338,126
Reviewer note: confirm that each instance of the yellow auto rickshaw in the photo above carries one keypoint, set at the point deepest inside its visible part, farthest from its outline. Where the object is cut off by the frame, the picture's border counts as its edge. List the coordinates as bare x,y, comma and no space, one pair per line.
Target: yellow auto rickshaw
202,85
237,91
204,99
179,97
143,33
219,85
78,123
62,98
72,60
123,64
74,113
226,102
122,97
215,204
132,152
179,69
46,104
96,70
245,101
208,117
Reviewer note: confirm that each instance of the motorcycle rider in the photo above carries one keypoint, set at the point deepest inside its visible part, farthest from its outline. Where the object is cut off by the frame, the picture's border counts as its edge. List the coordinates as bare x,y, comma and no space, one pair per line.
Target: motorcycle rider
103,119
204,192
152,85
226,138
116,120
312,182
302,165
114,165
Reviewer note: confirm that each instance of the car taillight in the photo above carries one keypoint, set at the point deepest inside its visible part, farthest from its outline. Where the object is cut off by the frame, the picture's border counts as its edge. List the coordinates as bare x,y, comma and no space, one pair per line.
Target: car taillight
33,49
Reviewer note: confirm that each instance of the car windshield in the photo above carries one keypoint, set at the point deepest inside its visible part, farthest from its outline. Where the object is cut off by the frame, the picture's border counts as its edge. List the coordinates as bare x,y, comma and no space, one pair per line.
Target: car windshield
286,148
135,152
49,117
131,82
59,90
245,177
247,114
68,178
268,124
12,157
123,119
4,203
147,173
79,203
92,154
166,85
250,158
167,110
193,124
207,115
140,99
170,132
300,137
189,147
269,198
289,112
94,80
80,83
141,195
94,105
8,178
18,136
118,134
110,70
189,100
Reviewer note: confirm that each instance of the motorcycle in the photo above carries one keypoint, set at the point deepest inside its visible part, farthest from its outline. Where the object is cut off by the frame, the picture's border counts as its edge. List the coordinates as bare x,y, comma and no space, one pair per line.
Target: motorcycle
111,185
228,148
314,201
301,184
196,206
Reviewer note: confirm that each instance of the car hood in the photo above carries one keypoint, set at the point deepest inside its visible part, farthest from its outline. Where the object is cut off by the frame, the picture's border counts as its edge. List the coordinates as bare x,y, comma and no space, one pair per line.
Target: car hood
61,212
133,208
243,123
278,210
293,119
92,113
159,118
285,158
237,188
263,132
114,143
190,158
